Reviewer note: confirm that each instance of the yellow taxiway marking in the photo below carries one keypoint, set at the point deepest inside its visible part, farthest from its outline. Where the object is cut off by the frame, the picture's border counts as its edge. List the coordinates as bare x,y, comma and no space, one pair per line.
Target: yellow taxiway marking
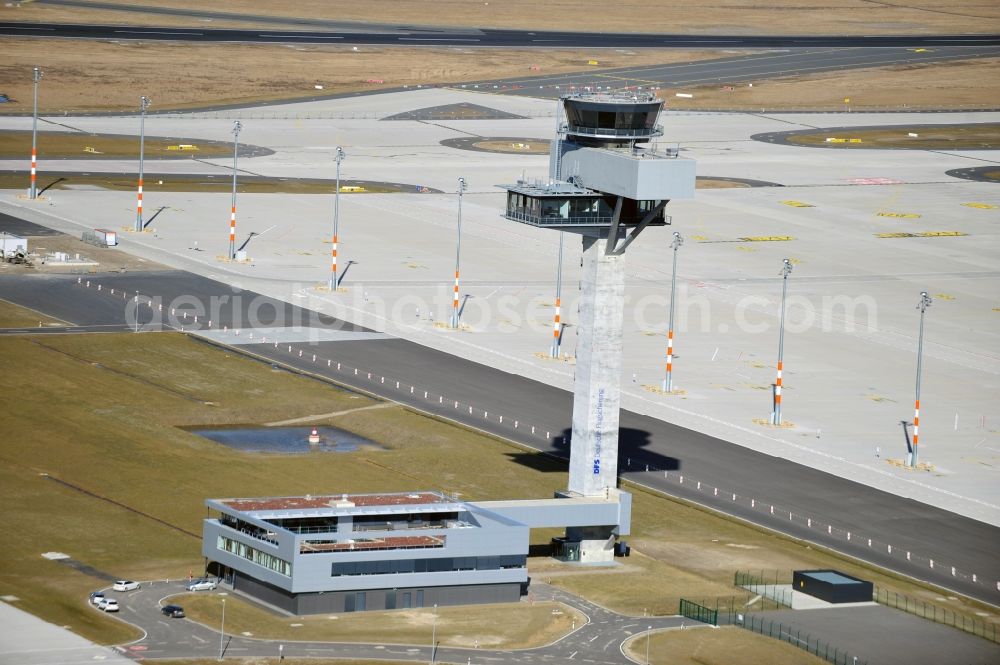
924,234
899,215
798,204
981,206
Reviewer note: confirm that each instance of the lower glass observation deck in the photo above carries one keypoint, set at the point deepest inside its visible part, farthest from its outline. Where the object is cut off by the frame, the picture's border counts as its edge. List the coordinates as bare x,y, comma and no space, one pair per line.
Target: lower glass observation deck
564,205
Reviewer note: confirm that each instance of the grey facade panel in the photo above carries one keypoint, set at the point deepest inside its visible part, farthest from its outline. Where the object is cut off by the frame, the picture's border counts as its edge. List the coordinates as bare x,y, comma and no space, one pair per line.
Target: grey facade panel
634,177
267,593
211,530
376,599
565,512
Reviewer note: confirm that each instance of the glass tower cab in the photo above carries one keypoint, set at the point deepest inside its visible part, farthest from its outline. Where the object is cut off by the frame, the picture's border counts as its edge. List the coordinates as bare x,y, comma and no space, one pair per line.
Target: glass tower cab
611,119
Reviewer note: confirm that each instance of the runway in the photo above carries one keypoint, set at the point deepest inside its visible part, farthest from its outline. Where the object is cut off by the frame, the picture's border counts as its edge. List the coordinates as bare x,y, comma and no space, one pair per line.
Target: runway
897,533
788,61
389,35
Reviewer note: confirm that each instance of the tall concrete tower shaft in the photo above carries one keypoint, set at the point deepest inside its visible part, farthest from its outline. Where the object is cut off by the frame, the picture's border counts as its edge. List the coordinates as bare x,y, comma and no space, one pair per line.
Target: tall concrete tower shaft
597,388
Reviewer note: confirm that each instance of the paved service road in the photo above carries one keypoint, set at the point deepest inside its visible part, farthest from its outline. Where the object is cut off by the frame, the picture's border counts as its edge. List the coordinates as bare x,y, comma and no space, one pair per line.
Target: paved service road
796,61
875,634
907,536
597,641
880,635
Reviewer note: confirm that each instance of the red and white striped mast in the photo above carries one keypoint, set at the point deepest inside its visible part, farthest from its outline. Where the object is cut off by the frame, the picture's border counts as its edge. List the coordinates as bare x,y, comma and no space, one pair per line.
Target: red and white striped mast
925,302
144,103
786,270
237,126
668,380
334,280
557,319
33,190
458,255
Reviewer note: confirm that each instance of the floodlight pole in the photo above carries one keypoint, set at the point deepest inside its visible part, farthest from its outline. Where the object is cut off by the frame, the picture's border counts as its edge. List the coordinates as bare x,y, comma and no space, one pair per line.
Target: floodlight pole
222,631
334,279
144,103
668,381
237,126
925,302
557,322
458,255
33,191
434,627
786,270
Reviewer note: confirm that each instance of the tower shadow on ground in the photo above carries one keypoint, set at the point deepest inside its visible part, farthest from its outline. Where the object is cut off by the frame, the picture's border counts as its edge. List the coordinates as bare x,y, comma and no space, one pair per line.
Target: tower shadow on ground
633,446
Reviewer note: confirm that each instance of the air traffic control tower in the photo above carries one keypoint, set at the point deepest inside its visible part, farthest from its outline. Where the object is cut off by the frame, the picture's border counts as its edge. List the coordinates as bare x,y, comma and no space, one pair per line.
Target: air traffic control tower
607,184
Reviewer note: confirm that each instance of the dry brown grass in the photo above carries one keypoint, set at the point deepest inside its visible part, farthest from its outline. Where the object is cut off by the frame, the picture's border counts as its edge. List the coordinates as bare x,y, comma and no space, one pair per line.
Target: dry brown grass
63,145
103,412
100,76
15,316
953,84
723,646
661,16
175,77
979,136
523,625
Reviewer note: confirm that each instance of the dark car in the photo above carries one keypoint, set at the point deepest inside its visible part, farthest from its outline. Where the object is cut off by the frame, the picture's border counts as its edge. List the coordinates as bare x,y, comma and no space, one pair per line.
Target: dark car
174,611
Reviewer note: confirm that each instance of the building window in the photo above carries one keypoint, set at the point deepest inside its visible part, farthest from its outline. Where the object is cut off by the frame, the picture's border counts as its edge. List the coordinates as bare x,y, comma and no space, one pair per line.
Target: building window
256,556
438,565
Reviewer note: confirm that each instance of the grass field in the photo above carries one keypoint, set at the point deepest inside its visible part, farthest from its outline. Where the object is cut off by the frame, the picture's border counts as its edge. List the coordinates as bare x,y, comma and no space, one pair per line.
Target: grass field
15,316
174,75
63,145
204,184
100,414
501,626
722,646
979,136
947,85
268,73
663,16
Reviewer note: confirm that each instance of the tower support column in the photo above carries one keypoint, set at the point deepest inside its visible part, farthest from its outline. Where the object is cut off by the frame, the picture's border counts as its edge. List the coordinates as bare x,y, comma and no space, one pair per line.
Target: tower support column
597,388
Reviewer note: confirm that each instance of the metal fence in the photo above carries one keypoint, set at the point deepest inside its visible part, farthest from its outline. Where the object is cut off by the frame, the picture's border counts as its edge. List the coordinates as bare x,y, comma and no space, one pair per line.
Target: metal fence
795,637
775,586
692,610
727,609
937,614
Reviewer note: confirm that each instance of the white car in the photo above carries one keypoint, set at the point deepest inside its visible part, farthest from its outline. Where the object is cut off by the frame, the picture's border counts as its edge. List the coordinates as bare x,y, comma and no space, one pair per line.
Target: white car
111,605
125,585
202,585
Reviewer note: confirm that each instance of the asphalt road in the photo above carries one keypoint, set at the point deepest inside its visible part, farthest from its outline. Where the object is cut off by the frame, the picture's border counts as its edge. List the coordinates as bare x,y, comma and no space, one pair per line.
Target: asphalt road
791,61
906,536
596,641
879,635
392,35
22,227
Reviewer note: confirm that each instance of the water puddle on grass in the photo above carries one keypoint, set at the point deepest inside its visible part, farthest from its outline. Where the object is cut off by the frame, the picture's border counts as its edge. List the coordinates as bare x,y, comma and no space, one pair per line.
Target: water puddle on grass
284,440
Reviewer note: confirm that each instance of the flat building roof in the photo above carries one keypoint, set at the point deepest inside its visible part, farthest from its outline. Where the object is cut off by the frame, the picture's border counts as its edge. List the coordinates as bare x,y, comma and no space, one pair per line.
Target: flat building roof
310,501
